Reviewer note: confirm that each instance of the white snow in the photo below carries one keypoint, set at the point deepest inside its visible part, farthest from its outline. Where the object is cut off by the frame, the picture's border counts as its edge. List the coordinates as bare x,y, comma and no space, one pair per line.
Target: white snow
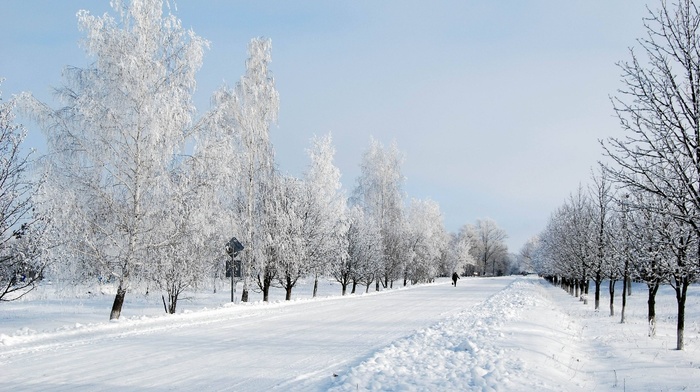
490,334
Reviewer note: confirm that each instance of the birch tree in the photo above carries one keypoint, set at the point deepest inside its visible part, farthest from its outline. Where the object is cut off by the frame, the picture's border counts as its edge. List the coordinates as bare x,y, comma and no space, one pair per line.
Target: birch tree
113,141
324,210
364,250
379,192
427,240
188,235
245,114
292,261
361,249
272,230
463,261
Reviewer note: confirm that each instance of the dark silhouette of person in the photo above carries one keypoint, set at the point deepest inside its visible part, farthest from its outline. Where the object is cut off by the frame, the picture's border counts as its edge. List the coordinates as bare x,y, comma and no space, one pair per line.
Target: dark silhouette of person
455,276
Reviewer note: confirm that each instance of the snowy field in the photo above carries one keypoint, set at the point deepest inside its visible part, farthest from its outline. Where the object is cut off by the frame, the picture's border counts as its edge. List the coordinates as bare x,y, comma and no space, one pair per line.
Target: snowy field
498,334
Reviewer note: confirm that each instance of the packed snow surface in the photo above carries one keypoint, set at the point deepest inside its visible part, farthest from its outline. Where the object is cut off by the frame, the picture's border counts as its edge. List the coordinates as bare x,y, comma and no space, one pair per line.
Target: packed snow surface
489,334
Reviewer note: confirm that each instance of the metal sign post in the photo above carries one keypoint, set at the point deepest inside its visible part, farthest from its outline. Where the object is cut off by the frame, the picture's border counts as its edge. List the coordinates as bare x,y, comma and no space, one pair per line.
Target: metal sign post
233,269
233,266
234,282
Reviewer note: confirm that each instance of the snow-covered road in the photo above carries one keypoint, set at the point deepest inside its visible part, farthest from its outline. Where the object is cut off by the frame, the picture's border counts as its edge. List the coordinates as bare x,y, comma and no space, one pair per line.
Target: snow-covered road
284,346
486,334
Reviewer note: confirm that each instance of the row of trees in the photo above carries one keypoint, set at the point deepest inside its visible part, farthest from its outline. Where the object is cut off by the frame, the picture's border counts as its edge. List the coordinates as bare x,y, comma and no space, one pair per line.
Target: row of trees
640,218
136,188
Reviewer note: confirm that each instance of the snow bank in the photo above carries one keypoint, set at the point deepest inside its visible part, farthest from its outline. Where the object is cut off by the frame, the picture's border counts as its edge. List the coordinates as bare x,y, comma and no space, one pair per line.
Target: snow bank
455,354
532,336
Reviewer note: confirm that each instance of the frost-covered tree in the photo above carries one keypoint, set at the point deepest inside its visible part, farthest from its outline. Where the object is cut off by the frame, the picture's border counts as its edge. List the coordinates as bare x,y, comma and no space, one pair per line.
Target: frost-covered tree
601,200
488,245
188,235
245,114
323,210
292,261
112,143
270,232
578,239
212,173
619,249
342,267
426,240
546,255
554,253
567,246
363,250
460,255
684,270
21,261
650,235
526,256
358,242
379,192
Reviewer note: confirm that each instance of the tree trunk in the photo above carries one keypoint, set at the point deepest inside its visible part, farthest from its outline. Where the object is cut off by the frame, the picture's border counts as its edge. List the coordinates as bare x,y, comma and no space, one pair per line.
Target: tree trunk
651,306
681,294
354,287
266,290
598,281
118,302
344,286
264,283
611,289
233,289
172,303
288,286
244,295
315,286
629,286
624,299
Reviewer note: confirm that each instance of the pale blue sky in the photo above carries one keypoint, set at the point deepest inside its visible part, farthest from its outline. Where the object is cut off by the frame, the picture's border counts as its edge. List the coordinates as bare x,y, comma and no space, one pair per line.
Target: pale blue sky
498,105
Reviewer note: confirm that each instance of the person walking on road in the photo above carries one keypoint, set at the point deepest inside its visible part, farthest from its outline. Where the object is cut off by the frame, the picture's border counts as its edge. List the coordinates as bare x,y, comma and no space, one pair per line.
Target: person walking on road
455,276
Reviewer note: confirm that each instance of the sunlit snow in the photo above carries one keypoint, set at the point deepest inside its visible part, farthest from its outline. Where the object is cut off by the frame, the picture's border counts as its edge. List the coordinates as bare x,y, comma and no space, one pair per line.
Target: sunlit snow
491,334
